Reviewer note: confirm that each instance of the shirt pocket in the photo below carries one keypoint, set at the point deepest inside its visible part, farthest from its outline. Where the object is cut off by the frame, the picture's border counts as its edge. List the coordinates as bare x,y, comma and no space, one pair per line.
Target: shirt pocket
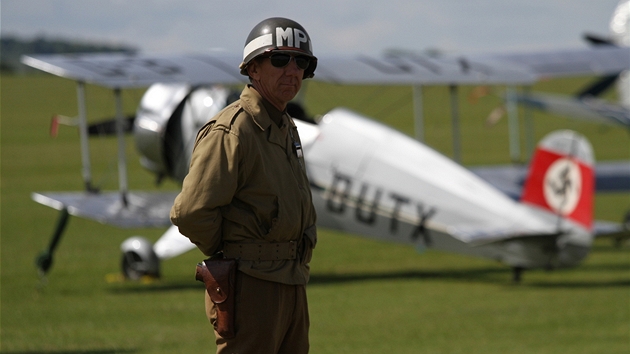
271,226
284,226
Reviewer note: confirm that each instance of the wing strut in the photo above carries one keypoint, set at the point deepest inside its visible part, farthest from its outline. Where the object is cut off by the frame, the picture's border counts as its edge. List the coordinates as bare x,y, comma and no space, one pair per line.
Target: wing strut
529,126
513,128
418,113
83,136
122,157
513,123
457,146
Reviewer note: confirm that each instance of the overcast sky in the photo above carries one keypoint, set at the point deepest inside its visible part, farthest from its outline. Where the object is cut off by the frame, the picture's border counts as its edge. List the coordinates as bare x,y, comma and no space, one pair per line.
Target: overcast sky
335,26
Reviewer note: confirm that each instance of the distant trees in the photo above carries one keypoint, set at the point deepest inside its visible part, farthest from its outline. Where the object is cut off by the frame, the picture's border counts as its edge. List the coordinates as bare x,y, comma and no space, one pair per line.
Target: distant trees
12,48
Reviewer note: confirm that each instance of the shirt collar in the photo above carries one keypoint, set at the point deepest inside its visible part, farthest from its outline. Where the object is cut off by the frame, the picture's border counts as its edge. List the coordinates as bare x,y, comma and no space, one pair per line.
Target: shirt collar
263,112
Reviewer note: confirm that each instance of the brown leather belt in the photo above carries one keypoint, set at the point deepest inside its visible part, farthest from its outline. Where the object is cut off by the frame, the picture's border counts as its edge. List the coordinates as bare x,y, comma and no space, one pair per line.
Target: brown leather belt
261,251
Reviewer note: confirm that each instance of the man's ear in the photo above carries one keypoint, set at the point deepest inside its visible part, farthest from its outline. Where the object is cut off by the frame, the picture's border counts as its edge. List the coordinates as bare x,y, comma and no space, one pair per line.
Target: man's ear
253,69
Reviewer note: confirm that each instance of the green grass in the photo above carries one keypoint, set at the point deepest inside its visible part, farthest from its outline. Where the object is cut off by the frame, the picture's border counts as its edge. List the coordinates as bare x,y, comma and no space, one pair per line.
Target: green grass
364,297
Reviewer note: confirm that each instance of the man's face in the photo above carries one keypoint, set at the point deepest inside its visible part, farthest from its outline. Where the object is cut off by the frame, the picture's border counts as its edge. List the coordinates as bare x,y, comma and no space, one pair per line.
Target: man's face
277,85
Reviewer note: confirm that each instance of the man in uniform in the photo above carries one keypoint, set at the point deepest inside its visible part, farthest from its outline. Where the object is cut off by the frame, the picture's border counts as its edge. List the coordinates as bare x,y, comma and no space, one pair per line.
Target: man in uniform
247,195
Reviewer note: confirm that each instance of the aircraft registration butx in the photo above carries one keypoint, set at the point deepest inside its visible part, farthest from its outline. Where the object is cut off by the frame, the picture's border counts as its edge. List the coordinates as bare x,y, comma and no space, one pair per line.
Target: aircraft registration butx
369,203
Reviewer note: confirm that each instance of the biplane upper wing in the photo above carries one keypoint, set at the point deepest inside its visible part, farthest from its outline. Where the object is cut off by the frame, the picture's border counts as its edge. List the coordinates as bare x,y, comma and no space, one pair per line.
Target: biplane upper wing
569,62
122,70
140,70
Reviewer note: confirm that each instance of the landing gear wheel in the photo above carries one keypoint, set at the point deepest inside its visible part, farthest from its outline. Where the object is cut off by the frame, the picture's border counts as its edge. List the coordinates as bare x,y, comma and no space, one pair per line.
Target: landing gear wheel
132,267
138,259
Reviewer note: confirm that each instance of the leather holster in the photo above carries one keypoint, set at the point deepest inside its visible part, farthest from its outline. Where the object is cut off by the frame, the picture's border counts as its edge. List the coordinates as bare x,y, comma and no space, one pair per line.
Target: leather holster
219,276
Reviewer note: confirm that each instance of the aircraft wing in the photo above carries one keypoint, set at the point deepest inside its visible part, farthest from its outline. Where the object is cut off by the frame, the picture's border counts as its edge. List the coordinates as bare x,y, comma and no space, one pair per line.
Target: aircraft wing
140,70
120,70
143,209
569,62
586,108
610,176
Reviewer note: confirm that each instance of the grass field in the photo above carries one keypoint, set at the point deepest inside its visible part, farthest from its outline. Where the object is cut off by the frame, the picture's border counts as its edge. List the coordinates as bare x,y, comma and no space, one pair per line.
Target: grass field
364,297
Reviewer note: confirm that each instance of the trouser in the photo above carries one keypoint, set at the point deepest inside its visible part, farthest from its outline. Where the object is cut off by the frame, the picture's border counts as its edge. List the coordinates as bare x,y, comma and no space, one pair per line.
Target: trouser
270,318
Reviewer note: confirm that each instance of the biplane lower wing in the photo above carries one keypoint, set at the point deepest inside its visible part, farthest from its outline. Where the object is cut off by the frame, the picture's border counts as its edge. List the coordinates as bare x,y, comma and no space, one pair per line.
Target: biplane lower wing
584,108
137,209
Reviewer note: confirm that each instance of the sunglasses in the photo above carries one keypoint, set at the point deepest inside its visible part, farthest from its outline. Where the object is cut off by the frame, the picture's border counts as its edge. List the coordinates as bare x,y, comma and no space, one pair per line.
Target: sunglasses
280,60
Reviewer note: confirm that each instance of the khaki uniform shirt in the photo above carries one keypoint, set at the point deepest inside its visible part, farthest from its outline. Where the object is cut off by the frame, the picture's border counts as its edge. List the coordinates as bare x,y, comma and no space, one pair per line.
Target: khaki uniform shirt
246,184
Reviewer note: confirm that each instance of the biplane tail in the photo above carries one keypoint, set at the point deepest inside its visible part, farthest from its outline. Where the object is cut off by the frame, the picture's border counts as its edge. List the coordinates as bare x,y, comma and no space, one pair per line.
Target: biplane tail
561,177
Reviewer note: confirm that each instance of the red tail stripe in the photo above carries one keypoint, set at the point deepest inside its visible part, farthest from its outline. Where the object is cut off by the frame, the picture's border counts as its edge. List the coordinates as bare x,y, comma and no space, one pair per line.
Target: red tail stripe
533,192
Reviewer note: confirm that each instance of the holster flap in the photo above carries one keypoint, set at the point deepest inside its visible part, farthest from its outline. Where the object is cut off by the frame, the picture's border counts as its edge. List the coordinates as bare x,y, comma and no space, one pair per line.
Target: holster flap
218,276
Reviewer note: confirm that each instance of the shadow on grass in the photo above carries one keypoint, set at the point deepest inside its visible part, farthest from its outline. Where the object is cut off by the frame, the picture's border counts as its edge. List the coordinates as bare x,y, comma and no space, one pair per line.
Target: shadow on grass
158,286
606,267
97,351
488,275
578,284
612,248
483,275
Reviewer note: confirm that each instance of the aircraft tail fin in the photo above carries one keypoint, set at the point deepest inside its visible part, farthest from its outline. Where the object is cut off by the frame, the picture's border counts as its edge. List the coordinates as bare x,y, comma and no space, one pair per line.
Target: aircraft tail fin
561,177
